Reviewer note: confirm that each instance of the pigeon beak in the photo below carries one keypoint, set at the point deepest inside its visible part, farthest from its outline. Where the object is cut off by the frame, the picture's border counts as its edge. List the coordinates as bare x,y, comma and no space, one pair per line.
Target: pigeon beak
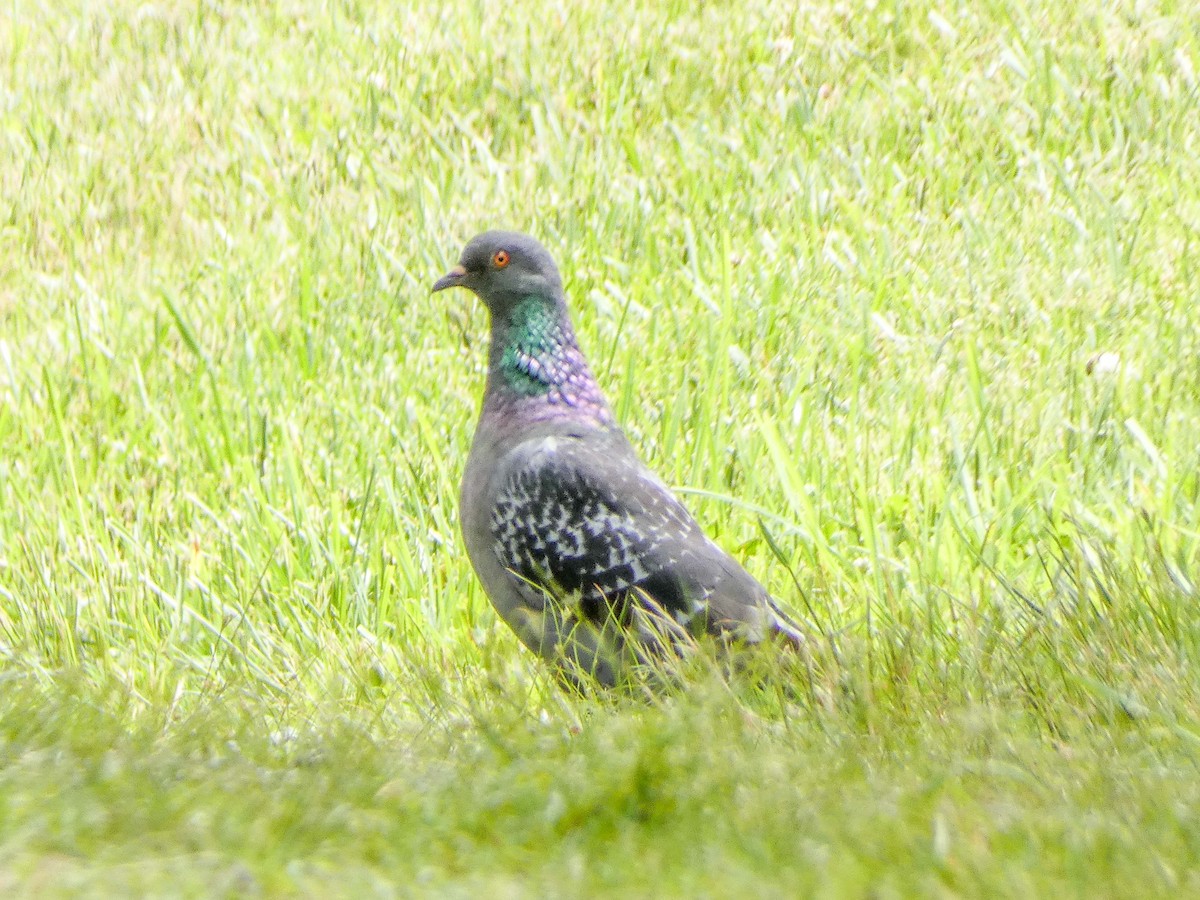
454,277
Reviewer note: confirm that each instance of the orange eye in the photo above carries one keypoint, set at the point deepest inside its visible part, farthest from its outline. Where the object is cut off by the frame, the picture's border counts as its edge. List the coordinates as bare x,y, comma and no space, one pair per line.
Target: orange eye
500,259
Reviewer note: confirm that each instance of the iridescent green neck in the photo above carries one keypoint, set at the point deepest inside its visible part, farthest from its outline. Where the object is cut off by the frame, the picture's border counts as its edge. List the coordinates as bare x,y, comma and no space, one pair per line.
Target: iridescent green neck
536,364
533,347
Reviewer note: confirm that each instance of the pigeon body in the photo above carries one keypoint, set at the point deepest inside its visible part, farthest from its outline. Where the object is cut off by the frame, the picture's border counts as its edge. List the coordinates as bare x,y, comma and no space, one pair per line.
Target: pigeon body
582,550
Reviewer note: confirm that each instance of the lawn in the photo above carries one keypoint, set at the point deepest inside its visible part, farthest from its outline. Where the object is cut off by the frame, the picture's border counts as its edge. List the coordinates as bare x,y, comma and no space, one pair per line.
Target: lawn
902,299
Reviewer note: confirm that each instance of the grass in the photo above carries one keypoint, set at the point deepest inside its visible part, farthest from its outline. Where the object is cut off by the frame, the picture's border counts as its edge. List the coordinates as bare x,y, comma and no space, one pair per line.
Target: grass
910,289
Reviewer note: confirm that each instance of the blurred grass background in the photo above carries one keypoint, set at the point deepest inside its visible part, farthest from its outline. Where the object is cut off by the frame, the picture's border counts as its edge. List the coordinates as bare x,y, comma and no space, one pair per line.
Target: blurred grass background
912,285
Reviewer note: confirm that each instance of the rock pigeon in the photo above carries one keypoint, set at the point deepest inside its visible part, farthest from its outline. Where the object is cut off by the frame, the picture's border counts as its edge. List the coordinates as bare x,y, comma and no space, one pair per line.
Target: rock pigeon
582,550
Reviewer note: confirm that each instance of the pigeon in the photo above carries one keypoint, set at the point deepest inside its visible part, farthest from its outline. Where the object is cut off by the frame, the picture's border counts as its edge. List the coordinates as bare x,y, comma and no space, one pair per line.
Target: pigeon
584,552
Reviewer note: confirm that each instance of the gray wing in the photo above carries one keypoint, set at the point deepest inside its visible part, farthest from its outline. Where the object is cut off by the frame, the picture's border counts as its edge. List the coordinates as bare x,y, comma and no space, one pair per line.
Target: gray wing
588,519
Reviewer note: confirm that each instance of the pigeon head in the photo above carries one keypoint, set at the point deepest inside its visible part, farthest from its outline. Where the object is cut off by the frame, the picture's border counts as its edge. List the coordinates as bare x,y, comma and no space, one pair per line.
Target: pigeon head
536,371
503,268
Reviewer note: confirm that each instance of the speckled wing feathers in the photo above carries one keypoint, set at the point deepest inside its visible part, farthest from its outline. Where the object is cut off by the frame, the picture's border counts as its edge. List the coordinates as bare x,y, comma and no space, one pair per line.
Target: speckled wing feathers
581,520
